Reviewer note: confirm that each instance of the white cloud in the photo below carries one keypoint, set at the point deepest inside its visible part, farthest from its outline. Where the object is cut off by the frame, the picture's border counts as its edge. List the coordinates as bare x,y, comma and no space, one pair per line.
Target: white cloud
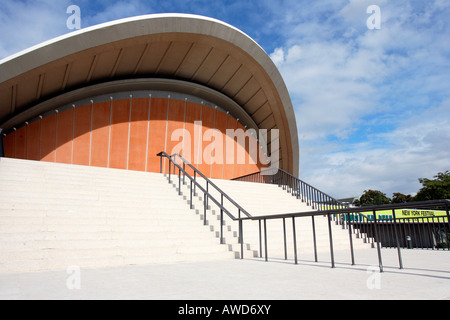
278,56
117,10
27,23
390,85
416,148
329,84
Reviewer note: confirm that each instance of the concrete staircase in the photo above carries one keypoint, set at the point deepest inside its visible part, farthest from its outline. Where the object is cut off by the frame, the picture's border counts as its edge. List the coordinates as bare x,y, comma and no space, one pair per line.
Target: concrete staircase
266,199
54,215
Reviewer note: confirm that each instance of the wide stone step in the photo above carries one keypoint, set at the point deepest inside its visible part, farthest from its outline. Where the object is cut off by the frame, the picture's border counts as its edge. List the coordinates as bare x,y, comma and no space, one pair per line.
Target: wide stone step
56,215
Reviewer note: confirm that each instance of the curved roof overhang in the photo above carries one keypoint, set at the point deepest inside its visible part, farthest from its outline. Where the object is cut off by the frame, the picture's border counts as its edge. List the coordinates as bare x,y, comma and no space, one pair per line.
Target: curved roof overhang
224,66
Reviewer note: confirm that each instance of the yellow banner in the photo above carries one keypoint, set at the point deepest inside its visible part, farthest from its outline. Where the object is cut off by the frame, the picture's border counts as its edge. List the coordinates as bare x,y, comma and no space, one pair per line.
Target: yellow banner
408,213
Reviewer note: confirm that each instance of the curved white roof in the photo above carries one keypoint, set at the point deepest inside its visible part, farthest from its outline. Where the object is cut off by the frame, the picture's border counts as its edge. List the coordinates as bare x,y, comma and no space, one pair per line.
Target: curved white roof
184,47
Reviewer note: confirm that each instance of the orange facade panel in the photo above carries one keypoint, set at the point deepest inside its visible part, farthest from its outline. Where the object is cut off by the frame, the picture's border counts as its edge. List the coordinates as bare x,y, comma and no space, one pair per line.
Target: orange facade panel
21,143
217,168
48,138
206,146
9,145
82,135
192,134
33,140
175,127
120,126
157,133
128,133
137,154
64,136
229,150
101,118
247,151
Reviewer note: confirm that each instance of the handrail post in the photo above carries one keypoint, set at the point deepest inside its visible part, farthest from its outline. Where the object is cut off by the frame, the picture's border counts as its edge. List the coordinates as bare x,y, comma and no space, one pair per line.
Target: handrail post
239,216
221,220
351,238
377,240
260,239
204,208
316,200
397,241
295,240
265,238
190,191
284,237
207,191
170,167
303,187
241,237
314,238
310,196
160,163
448,223
179,181
195,184
330,234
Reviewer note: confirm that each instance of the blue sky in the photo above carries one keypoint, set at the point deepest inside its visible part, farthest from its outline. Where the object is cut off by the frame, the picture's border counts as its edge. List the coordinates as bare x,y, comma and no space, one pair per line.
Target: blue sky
372,106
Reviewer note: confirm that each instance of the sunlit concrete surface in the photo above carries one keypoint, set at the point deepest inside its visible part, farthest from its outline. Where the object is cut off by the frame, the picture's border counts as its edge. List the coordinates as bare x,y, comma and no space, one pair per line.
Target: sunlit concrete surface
426,275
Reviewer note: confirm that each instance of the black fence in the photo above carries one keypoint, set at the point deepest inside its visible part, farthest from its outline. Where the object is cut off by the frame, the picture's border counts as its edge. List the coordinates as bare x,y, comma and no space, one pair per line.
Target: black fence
432,232
313,197
413,232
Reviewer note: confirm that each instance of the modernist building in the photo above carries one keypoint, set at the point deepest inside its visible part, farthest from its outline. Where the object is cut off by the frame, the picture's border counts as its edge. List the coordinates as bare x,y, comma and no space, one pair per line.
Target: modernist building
116,94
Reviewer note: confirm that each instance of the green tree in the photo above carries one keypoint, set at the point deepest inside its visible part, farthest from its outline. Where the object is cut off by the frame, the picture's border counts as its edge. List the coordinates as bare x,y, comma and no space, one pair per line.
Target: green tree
398,197
438,188
373,198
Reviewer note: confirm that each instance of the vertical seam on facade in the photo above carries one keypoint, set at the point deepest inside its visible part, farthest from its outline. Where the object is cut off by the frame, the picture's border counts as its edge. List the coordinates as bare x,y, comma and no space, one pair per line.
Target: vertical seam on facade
184,129
109,131
213,145
90,132
73,132
56,136
14,144
26,142
148,131
225,149
199,144
129,130
40,139
167,128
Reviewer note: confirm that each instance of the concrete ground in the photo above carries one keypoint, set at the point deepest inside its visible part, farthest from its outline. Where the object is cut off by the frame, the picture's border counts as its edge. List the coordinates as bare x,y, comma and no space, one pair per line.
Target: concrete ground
426,276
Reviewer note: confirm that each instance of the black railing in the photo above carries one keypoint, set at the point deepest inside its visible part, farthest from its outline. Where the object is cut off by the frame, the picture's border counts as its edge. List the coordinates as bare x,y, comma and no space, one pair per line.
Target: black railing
358,223
417,232
207,195
364,222
313,197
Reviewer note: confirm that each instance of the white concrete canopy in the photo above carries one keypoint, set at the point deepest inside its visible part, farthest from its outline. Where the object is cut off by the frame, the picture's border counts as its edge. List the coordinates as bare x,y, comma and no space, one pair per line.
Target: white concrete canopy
206,52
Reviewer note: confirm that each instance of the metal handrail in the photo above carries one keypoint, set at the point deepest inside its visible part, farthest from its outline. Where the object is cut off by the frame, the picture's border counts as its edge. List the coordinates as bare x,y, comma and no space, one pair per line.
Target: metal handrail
207,195
348,223
209,182
317,199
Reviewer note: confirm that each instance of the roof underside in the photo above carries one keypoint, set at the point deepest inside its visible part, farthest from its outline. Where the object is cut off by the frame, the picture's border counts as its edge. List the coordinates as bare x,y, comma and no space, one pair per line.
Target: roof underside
179,47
